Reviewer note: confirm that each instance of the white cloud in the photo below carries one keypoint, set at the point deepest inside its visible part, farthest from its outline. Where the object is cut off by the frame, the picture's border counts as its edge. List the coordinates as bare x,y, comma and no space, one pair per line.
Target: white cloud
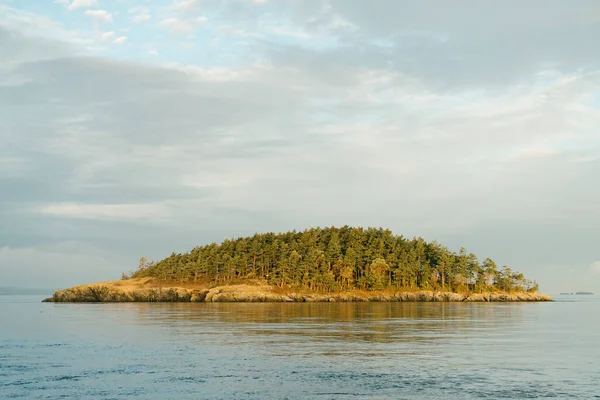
82,4
105,211
219,74
99,16
277,145
138,10
107,36
298,34
228,30
536,153
586,159
152,52
181,27
136,19
185,6
35,25
120,40
595,267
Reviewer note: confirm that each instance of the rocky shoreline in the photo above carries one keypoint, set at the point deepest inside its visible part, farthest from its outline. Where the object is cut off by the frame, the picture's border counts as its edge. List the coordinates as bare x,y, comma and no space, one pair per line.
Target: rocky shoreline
114,292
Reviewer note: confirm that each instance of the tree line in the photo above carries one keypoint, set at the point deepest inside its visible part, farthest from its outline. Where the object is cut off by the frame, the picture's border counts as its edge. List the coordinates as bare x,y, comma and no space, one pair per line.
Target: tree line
333,259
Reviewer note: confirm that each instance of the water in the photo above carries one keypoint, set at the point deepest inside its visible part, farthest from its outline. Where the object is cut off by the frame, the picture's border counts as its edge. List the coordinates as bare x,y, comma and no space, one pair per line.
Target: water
304,350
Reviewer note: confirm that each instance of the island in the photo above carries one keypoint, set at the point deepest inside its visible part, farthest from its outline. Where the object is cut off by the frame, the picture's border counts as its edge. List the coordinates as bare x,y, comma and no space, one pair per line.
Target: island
315,265
577,293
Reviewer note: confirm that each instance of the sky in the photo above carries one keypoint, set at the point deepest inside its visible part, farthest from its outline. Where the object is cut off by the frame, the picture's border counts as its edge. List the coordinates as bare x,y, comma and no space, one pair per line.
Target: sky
142,128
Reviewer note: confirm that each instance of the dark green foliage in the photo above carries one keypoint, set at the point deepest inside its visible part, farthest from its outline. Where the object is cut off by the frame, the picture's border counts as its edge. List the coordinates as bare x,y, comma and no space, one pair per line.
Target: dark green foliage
332,259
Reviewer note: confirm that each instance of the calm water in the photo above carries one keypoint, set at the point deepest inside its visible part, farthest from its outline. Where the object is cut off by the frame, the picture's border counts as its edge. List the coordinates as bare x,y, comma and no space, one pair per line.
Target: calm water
292,351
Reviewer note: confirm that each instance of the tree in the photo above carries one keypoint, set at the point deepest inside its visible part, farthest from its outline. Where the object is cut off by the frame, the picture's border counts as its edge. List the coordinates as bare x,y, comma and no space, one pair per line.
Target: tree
143,264
490,272
326,259
295,266
505,279
444,266
376,277
333,249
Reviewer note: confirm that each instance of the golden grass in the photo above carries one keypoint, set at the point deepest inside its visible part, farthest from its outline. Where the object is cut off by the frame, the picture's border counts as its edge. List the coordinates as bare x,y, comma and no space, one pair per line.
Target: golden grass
149,289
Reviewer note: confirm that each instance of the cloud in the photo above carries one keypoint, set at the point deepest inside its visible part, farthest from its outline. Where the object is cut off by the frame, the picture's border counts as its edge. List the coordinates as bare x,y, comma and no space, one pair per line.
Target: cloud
136,19
176,26
228,30
104,211
181,27
138,10
288,32
110,37
436,132
481,47
595,267
82,4
185,6
99,16
16,23
141,14
586,158
152,52
536,153
107,36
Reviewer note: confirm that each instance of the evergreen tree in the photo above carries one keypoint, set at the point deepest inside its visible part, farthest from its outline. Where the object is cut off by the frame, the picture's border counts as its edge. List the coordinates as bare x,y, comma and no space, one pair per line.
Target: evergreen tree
336,258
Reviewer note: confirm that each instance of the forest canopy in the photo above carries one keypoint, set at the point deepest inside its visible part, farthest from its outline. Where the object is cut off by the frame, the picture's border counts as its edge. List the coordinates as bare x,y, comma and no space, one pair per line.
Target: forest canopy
337,259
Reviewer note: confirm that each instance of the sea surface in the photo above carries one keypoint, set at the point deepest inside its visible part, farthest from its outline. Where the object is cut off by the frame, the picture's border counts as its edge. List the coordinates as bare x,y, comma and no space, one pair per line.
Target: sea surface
300,350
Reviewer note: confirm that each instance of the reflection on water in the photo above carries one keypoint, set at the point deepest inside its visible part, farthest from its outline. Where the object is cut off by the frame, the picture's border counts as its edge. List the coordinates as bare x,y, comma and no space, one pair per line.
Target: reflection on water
368,322
300,350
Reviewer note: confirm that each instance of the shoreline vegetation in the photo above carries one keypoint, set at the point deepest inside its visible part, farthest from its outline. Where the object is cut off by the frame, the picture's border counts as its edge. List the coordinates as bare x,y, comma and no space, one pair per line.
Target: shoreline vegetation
314,265
149,290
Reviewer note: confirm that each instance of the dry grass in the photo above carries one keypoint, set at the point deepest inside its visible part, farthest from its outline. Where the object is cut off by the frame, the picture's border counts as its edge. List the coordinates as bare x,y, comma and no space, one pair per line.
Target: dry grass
133,284
151,290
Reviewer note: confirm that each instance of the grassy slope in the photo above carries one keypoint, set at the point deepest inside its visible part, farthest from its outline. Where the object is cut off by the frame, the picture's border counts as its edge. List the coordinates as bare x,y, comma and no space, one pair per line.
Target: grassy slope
151,290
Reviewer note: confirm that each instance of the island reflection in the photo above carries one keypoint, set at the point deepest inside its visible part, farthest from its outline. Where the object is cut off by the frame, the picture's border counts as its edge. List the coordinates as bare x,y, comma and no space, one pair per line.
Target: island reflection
324,322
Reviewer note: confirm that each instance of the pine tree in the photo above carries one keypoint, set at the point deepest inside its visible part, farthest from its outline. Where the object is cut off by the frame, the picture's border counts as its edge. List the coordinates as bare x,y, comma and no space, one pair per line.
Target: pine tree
336,258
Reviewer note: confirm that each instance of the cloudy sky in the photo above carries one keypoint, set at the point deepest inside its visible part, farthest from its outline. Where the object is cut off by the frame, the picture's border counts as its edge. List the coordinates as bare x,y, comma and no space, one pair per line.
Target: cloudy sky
137,128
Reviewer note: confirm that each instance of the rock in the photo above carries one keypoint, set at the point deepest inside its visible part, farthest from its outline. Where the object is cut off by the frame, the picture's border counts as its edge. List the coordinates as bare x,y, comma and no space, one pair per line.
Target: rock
477,297
138,291
454,297
198,296
542,297
295,297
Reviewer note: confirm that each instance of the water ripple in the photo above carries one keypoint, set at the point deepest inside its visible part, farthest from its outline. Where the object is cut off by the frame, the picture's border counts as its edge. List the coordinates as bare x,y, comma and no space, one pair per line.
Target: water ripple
298,351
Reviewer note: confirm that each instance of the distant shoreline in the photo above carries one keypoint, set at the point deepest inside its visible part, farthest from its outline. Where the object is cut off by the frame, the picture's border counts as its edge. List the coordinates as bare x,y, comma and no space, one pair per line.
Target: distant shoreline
576,294
148,290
